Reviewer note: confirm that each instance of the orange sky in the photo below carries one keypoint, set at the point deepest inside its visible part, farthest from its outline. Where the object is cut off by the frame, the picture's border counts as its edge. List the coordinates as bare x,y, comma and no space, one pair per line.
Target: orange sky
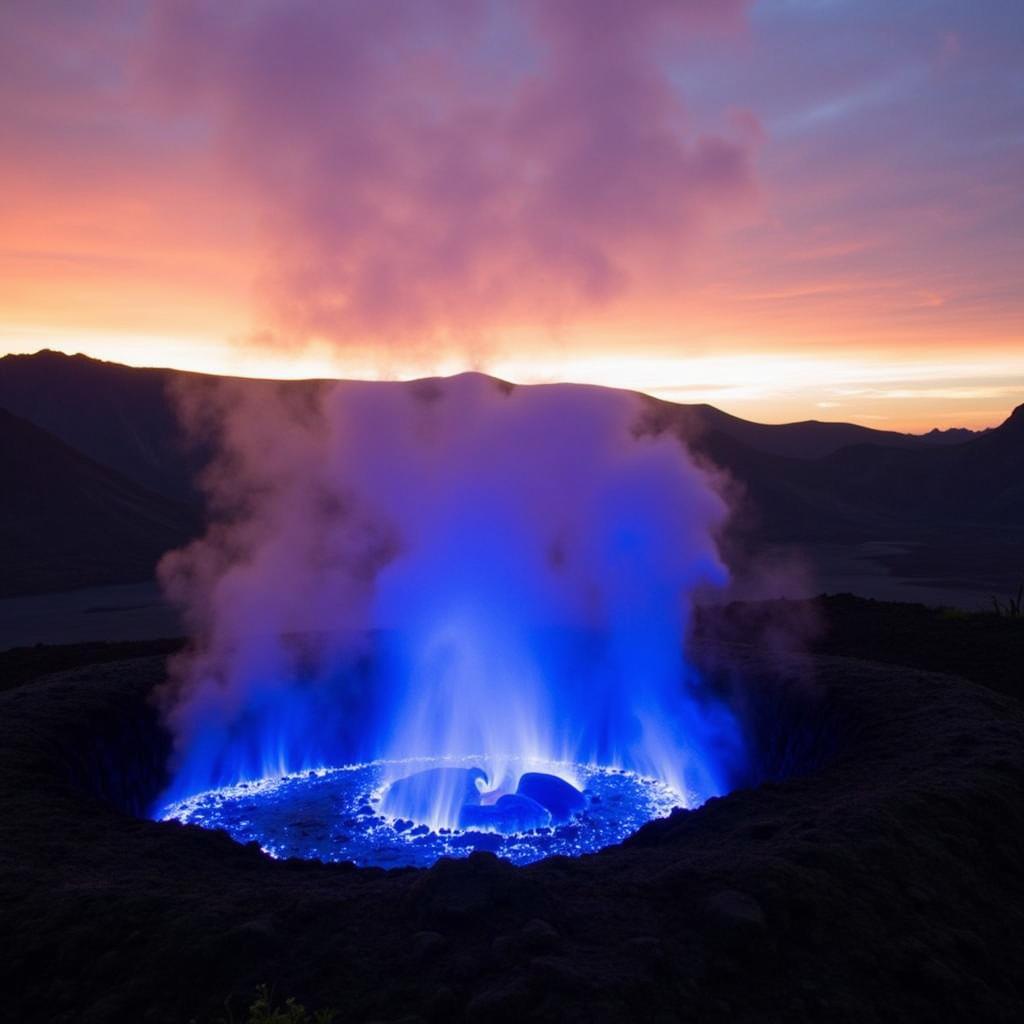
834,235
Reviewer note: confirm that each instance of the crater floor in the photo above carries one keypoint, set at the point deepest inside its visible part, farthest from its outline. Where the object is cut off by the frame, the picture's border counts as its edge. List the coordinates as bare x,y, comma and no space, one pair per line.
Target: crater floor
334,815
880,883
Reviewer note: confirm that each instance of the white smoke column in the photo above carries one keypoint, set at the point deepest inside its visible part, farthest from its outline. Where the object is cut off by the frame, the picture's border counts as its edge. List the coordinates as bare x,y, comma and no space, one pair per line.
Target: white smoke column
446,568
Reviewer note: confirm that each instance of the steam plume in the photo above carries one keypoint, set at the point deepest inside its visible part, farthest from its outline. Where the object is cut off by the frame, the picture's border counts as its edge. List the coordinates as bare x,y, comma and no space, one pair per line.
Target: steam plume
431,169
447,568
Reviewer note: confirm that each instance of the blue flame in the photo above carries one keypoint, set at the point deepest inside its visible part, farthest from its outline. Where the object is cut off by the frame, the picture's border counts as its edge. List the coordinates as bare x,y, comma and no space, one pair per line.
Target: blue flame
465,572
339,815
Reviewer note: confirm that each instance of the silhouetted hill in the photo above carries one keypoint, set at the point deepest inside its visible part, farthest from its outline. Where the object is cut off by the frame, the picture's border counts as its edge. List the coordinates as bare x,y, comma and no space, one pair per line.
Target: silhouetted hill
952,516
979,481
809,439
66,521
124,417
121,416
872,488
947,508
951,435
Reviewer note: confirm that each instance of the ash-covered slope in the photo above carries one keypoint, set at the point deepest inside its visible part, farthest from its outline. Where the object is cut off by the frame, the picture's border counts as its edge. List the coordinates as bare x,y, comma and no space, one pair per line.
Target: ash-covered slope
866,491
882,884
124,417
951,517
66,521
120,416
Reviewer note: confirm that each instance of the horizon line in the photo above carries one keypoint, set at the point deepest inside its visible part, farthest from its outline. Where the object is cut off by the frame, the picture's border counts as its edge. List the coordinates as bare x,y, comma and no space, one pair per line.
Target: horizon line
413,378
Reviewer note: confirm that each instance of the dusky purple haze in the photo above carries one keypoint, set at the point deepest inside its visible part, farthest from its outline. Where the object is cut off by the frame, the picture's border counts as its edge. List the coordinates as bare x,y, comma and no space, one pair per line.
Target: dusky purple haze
446,569
433,167
565,190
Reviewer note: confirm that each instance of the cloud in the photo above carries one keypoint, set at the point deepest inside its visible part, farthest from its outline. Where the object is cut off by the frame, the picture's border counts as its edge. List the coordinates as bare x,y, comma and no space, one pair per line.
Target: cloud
428,168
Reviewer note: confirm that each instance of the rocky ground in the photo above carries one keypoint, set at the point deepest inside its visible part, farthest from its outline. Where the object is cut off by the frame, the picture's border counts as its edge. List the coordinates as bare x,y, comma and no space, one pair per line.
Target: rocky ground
875,874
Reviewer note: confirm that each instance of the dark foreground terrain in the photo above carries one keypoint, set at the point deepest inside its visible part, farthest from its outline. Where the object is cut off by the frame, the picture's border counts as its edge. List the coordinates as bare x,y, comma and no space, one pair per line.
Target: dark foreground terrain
875,874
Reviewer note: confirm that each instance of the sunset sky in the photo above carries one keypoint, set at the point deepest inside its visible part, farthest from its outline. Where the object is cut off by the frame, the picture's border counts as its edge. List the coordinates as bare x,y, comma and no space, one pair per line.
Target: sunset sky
792,209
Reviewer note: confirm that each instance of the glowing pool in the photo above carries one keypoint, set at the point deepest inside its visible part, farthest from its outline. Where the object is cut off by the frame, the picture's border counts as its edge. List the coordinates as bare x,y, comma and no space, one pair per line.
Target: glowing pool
336,814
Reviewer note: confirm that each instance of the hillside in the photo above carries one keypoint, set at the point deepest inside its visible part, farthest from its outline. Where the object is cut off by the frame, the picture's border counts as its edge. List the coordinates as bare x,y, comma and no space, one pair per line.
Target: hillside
66,521
124,417
874,488
120,416
945,508
809,439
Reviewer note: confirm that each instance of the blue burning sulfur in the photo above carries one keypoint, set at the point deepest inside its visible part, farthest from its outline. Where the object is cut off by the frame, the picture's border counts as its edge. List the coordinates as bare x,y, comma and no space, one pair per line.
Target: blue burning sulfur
337,815
510,815
435,794
452,570
460,797
561,799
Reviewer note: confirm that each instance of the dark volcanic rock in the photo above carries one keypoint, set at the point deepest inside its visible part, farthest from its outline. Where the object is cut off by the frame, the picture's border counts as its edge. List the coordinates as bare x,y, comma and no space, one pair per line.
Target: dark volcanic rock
881,882
735,919
538,936
558,796
512,813
427,944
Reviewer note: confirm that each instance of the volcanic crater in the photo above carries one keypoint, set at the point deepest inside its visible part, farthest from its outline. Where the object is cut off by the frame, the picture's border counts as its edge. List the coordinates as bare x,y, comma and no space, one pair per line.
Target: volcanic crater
850,873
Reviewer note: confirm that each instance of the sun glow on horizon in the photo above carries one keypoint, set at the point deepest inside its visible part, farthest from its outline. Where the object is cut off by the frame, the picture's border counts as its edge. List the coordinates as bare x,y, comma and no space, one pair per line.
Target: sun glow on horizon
750,205
772,387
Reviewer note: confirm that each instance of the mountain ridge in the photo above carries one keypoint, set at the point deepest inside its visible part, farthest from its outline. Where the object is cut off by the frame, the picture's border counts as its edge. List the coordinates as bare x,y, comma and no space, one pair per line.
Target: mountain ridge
124,417
67,521
939,510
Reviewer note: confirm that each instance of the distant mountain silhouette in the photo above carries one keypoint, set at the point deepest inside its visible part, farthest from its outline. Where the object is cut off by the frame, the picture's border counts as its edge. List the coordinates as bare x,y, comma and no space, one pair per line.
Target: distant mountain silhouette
951,435
809,439
124,417
951,503
67,522
118,415
946,516
868,491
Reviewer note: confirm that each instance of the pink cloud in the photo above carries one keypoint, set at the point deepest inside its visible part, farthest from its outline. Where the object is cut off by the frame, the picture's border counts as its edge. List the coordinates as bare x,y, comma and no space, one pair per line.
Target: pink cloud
432,168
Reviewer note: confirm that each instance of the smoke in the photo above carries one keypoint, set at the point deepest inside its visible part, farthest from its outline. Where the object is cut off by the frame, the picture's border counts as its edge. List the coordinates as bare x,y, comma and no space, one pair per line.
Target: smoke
430,169
448,568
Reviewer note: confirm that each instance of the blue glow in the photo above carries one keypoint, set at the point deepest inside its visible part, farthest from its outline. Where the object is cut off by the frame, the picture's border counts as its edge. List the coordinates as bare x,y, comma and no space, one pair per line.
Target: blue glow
338,815
461,572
